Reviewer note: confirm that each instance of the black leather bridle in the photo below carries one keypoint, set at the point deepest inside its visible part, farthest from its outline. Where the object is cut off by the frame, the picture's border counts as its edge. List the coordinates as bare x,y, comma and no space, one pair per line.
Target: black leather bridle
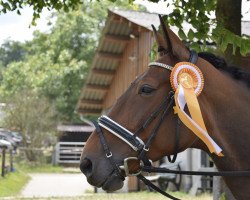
134,141
142,148
131,138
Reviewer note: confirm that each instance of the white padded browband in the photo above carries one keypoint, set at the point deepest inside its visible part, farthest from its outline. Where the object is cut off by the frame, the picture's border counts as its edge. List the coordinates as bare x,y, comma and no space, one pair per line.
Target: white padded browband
168,67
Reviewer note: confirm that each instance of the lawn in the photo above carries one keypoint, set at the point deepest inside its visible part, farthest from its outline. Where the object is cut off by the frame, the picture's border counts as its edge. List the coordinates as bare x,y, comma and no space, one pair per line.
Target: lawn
141,196
128,196
12,183
38,168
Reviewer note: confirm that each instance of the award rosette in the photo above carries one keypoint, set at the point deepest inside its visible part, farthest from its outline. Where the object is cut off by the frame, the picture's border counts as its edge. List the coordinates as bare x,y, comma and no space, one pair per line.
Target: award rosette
187,81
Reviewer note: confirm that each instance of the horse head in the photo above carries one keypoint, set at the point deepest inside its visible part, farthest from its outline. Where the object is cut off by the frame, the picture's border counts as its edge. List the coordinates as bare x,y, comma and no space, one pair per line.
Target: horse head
149,95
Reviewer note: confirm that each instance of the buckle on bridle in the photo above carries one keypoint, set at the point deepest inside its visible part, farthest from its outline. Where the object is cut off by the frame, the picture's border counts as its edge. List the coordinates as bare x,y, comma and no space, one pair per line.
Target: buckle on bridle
108,155
125,167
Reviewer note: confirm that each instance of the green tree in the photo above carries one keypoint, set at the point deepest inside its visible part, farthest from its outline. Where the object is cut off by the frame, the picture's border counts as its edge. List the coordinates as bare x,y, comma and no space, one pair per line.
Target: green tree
56,63
225,29
11,51
34,118
59,82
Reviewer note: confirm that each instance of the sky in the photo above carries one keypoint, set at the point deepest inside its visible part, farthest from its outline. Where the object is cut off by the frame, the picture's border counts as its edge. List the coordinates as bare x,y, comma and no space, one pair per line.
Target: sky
16,27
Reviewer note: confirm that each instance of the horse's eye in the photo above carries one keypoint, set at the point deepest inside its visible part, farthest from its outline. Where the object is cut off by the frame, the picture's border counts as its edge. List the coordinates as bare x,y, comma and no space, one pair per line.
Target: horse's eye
146,89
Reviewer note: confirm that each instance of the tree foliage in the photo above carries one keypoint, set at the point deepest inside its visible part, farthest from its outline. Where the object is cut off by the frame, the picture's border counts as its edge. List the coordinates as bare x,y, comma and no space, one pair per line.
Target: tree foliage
38,6
11,51
197,13
60,82
205,28
54,65
34,118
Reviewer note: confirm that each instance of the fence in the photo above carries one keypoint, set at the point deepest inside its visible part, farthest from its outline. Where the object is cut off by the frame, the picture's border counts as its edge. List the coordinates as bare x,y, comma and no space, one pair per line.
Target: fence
68,152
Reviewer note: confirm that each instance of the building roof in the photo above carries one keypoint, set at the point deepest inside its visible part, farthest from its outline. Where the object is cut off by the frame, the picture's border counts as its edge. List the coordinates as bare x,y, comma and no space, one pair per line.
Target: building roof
119,29
120,26
143,19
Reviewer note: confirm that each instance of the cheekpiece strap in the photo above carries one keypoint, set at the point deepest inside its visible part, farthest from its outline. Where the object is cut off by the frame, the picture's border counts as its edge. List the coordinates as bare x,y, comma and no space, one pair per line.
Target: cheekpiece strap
107,151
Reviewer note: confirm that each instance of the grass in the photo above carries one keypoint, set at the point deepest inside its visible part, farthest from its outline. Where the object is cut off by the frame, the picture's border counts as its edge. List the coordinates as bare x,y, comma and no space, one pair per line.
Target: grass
141,196
126,196
44,168
12,183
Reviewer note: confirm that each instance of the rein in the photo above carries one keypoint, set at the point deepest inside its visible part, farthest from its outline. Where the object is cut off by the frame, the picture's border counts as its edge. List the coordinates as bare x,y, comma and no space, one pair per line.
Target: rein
196,173
142,148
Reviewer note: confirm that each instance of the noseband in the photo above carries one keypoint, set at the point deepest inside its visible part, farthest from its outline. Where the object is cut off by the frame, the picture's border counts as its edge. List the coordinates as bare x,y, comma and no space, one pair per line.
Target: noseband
133,140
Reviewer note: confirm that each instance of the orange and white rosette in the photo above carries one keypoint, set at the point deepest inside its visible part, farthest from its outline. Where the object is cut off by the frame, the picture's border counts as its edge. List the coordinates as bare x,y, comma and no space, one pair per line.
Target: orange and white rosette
187,81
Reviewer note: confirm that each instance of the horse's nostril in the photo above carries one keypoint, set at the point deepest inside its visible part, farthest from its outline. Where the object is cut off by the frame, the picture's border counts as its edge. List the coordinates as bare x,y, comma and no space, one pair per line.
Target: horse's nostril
86,167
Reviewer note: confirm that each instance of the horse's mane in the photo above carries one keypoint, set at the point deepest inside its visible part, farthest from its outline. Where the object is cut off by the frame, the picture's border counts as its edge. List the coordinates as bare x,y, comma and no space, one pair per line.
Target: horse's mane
219,63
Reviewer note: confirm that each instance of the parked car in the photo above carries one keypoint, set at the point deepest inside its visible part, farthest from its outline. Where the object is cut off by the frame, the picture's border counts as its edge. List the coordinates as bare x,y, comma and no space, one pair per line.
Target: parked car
5,135
17,137
4,143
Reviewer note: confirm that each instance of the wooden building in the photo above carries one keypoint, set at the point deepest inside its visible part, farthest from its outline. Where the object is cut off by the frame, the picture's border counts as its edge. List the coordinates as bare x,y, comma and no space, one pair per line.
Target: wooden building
122,54
71,140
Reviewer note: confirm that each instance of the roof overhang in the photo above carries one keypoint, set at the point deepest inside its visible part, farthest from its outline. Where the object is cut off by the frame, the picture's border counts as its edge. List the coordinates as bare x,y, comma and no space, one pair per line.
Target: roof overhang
119,29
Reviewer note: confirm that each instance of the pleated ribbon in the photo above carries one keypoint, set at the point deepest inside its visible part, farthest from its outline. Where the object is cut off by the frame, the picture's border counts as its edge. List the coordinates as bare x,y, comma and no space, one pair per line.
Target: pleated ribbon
186,95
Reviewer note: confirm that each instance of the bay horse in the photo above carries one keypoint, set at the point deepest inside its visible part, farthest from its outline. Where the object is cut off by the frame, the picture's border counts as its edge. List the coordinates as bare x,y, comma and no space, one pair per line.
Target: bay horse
224,104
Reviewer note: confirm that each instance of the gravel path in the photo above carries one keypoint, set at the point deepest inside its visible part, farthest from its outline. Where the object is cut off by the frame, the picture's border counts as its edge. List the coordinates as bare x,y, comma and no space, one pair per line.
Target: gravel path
56,185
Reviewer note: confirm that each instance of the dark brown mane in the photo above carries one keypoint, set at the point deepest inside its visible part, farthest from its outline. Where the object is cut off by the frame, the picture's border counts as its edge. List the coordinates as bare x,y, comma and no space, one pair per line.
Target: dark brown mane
219,63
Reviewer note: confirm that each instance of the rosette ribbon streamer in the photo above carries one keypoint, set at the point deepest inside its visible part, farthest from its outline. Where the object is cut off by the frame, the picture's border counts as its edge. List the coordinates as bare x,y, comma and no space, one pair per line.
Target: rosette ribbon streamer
187,80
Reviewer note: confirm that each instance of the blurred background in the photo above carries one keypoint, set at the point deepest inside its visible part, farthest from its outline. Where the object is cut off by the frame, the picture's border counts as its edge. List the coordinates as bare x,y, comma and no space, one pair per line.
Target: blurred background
58,65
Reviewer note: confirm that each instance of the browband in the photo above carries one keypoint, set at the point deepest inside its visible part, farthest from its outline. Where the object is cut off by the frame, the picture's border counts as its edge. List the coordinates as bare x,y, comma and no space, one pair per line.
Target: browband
193,59
168,67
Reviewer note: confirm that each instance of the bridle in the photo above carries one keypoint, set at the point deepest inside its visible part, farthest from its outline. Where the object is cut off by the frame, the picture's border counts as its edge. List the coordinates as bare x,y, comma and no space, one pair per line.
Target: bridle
132,139
141,147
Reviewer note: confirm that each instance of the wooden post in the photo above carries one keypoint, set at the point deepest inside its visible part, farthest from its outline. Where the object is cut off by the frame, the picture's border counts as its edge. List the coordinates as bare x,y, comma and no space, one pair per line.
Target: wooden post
57,153
11,160
3,161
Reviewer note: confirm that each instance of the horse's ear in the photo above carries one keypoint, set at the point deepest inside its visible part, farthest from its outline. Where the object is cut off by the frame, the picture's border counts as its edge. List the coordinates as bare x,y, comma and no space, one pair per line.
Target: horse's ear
165,34
162,47
174,44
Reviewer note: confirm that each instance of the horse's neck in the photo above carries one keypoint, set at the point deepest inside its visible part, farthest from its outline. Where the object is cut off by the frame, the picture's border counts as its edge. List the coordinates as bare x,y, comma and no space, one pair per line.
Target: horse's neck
226,107
228,114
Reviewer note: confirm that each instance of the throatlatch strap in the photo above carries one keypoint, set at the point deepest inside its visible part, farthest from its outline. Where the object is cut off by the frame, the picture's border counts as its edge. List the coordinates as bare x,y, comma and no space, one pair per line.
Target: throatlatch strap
176,146
193,57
